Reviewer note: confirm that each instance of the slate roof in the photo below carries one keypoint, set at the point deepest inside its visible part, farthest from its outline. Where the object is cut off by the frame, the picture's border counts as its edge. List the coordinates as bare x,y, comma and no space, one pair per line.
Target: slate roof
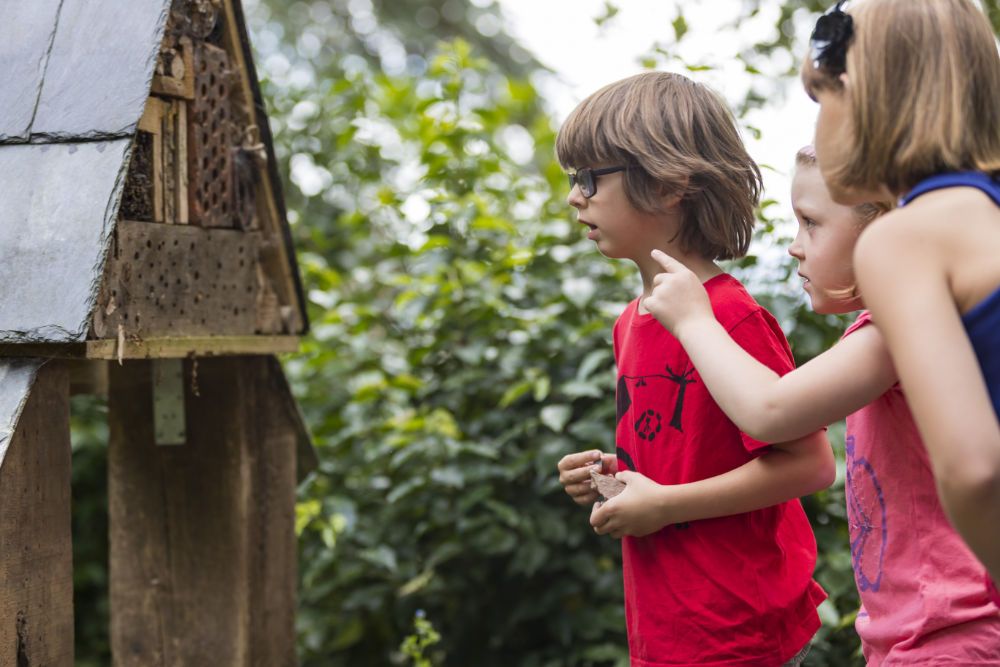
16,378
74,83
75,78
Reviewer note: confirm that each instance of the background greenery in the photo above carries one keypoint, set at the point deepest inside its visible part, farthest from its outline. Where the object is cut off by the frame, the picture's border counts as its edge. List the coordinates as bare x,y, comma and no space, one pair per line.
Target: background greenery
460,346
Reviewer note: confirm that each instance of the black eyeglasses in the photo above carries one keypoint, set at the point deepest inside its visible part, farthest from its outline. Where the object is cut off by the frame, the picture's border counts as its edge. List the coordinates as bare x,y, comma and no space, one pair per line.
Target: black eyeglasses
830,39
587,179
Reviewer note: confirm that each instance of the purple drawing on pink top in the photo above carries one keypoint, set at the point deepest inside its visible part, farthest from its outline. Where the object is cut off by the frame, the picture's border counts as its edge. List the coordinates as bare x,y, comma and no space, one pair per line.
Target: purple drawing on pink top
866,517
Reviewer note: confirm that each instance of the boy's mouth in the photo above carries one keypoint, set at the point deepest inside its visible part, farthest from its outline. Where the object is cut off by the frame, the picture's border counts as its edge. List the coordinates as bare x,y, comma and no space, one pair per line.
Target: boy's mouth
584,222
805,278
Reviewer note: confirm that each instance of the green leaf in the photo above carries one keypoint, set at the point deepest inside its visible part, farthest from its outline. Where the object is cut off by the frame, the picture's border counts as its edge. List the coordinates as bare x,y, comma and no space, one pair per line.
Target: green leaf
556,416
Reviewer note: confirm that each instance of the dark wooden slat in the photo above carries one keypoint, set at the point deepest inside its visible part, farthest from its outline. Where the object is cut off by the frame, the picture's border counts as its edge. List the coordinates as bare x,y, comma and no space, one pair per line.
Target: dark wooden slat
202,534
36,571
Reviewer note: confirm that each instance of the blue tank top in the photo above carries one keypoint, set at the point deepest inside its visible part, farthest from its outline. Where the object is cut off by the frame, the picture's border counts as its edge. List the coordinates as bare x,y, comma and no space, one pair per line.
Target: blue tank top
982,322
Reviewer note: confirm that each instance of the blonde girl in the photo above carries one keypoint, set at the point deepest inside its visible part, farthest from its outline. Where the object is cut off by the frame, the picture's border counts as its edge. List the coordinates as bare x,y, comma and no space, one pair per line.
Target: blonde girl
908,108
922,594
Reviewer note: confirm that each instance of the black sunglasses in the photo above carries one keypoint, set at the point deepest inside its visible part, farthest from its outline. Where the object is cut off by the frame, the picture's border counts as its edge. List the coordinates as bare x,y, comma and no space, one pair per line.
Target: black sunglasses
586,178
830,39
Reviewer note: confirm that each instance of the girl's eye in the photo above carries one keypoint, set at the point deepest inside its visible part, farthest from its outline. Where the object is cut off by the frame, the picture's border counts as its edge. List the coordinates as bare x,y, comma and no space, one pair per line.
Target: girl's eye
809,223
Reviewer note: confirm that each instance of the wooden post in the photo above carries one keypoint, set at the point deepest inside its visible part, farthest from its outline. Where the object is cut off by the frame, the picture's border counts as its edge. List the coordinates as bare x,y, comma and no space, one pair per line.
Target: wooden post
36,549
203,546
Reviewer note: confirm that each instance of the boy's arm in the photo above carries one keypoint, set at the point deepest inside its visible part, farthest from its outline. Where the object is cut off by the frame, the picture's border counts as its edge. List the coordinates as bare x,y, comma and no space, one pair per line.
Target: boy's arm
786,471
900,268
761,403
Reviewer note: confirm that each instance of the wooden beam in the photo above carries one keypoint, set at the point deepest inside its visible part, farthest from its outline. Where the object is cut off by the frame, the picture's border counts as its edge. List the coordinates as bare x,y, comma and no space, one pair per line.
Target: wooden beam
36,549
88,376
179,80
272,221
153,348
152,122
203,545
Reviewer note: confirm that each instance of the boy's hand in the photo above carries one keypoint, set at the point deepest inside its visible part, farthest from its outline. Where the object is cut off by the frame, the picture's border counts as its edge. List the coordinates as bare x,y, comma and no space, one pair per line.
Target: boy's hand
678,296
574,473
636,511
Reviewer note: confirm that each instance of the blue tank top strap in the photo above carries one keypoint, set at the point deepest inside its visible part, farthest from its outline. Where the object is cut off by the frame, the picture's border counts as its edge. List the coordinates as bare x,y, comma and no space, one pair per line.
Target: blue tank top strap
982,322
971,179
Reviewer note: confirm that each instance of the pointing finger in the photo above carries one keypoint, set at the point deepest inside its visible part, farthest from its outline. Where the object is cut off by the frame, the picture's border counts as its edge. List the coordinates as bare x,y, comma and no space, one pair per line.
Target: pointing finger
669,264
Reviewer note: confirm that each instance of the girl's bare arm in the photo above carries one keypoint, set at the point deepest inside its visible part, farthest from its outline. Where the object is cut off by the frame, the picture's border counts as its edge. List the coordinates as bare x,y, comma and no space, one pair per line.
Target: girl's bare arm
904,277
763,404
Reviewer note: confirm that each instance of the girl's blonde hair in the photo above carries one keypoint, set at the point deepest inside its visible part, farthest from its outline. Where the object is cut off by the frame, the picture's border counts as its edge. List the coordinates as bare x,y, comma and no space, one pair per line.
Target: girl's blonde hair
865,212
924,77
676,137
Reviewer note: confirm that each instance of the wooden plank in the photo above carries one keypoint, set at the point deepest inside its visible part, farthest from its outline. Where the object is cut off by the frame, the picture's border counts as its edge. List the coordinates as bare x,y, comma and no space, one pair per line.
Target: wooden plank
272,220
156,348
88,376
202,535
183,217
177,281
36,550
177,80
152,116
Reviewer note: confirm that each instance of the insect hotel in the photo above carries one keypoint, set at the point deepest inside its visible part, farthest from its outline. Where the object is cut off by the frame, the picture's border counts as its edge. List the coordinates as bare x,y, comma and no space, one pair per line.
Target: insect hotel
145,255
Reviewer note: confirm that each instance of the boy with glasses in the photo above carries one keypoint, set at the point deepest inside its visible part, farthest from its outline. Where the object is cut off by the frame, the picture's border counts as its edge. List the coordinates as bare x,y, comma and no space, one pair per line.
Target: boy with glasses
717,552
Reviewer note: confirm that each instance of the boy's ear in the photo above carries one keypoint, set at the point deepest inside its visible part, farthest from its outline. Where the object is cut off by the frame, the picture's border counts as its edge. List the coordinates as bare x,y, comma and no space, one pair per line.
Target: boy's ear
672,200
672,196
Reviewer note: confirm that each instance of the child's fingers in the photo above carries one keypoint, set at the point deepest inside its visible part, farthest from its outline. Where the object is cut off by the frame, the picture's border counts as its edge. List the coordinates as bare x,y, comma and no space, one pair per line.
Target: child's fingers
668,263
579,460
582,495
578,475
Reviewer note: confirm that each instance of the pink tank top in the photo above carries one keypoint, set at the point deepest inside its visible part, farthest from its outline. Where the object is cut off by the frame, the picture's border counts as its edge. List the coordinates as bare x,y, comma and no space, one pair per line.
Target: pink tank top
922,596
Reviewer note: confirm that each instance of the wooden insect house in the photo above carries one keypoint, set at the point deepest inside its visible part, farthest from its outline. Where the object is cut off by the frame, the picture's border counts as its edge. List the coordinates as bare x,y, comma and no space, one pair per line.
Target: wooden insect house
145,254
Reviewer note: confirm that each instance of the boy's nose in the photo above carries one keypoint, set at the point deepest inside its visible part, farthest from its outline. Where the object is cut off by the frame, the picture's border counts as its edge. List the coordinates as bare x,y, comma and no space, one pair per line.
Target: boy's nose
575,198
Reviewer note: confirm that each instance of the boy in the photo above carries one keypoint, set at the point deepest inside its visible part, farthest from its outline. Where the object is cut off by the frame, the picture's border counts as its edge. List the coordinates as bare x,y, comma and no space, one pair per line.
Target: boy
717,552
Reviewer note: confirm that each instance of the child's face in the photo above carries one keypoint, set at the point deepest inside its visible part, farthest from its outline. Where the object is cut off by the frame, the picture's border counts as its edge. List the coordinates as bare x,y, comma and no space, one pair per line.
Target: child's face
824,244
619,230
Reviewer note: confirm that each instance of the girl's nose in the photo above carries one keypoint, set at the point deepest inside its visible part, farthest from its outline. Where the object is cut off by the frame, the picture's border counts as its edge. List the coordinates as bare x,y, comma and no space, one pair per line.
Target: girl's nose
795,249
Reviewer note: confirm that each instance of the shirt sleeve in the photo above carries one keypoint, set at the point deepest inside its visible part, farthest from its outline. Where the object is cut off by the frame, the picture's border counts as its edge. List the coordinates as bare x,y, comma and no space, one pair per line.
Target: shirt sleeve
759,334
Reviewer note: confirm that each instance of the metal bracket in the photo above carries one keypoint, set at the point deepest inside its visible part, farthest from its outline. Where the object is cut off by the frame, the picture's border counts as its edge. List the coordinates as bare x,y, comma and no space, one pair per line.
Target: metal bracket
169,419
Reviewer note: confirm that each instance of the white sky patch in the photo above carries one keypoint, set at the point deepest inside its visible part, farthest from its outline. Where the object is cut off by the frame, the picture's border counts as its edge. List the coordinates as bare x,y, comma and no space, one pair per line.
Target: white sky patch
518,143
310,178
416,209
584,57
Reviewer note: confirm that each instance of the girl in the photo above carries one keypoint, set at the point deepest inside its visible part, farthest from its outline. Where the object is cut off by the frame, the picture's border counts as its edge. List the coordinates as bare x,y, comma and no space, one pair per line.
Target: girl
907,92
921,589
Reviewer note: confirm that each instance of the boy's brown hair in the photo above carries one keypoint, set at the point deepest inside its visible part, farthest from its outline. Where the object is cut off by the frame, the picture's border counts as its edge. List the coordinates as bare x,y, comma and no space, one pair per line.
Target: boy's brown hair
923,76
677,137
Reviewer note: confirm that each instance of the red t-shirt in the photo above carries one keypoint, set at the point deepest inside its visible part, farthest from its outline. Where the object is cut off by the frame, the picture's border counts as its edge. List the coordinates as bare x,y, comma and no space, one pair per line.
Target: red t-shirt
732,591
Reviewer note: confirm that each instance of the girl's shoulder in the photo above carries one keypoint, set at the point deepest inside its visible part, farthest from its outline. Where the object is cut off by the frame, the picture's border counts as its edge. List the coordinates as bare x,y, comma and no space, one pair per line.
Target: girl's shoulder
933,223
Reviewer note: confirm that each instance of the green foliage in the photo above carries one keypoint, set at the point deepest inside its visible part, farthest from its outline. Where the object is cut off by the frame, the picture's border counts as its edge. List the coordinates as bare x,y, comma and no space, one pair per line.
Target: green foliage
424,636
460,346
90,531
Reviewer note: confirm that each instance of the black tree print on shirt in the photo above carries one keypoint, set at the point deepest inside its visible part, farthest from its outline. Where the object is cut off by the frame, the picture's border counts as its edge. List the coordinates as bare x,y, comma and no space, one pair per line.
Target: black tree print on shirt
648,422
683,381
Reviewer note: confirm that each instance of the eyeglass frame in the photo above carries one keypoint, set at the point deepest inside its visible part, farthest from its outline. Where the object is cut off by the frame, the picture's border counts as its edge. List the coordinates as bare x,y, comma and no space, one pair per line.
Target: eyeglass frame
829,52
589,174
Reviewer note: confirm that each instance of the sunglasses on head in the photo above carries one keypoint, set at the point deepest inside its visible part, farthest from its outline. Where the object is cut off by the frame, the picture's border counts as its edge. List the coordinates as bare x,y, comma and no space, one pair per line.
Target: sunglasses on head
586,178
830,39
